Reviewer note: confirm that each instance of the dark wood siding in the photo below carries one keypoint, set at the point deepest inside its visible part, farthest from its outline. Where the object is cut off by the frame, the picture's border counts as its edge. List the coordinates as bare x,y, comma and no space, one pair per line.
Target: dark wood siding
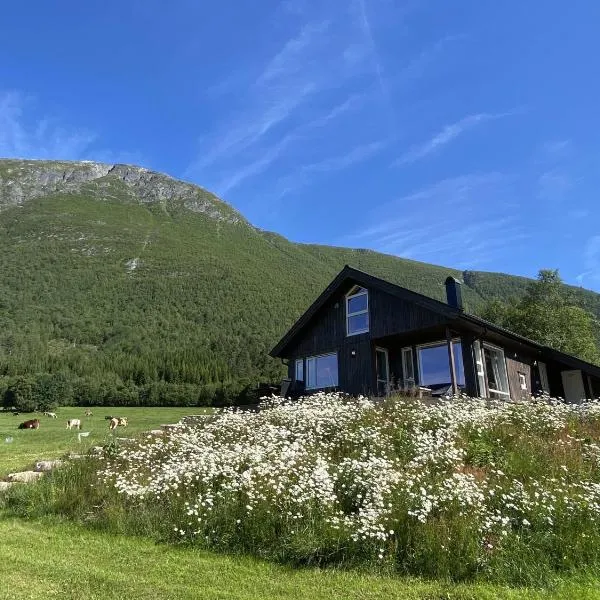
513,368
390,315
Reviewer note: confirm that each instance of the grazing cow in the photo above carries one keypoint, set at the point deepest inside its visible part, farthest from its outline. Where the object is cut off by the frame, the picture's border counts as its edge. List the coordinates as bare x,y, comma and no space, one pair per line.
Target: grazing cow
73,423
117,422
31,424
50,414
88,413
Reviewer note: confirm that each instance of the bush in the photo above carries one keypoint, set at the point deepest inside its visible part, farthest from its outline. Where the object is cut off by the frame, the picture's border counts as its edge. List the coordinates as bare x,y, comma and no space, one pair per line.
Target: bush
20,394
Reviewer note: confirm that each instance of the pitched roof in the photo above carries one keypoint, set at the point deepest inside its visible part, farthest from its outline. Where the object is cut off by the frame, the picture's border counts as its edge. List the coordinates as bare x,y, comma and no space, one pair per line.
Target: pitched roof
350,275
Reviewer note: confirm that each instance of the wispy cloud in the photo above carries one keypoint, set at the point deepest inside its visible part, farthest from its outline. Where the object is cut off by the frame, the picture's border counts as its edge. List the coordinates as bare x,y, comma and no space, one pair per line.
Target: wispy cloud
446,222
313,80
23,137
372,47
290,60
591,260
446,135
554,184
356,155
418,65
24,134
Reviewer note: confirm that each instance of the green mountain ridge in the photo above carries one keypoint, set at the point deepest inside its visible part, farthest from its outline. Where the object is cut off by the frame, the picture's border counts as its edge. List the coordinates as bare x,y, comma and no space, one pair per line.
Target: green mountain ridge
118,273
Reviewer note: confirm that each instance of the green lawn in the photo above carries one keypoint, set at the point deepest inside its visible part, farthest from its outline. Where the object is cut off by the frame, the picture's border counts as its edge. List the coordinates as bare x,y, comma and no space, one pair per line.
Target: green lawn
48,559
53,439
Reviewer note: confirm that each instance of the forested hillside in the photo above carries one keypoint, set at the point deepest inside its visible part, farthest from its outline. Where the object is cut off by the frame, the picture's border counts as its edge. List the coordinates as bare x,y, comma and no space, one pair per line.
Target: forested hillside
128,286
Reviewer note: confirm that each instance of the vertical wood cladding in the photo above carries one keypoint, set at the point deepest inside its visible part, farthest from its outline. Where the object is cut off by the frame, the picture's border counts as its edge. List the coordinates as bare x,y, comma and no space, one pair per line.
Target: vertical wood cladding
391,315
514,368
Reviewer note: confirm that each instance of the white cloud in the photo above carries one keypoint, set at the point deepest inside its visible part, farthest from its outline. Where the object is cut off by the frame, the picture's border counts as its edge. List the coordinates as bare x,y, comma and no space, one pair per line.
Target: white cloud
591,260
354,156
553,185
23,137
26,135
459,221
446,135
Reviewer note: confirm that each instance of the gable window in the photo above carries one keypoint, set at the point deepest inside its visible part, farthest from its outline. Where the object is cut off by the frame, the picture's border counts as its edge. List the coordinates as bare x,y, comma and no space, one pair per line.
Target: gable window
357,311
299,369
434,364
495,368
322,371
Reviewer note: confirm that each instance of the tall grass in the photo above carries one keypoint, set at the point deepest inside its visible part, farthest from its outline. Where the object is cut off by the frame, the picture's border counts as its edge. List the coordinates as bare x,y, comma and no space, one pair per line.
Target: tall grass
462,490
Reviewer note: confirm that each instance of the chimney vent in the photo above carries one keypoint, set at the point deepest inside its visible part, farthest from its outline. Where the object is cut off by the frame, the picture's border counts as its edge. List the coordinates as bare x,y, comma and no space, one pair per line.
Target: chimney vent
454,293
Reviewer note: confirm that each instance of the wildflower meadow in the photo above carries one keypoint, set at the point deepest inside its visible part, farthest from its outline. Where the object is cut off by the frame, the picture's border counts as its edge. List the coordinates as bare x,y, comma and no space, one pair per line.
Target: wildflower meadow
462,489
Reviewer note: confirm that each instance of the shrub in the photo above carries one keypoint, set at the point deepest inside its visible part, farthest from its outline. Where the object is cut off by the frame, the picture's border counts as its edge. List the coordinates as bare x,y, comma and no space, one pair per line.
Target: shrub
20,394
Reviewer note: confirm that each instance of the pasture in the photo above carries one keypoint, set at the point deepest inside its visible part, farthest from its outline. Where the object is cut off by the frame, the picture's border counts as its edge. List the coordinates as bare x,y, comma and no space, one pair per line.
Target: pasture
41,559
53,439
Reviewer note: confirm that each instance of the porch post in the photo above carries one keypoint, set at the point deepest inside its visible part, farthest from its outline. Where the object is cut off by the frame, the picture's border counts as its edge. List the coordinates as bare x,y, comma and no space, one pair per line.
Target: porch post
451,359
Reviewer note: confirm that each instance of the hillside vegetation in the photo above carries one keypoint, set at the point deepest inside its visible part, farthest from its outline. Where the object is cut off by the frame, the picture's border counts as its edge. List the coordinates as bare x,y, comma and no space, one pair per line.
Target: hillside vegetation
134,287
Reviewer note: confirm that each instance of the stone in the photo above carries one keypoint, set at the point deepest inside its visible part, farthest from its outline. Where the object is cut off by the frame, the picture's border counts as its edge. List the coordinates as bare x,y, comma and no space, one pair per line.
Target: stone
43,466
24,476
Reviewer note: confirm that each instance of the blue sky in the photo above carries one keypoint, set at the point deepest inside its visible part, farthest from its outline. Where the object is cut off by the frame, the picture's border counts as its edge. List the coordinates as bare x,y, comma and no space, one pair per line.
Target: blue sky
460,133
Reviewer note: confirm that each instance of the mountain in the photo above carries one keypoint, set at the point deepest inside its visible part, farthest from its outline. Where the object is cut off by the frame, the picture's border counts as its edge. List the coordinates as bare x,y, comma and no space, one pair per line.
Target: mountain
136,281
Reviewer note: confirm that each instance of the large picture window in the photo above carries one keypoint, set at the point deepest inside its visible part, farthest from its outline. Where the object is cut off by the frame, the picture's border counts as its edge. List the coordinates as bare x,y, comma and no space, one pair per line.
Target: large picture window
322,371
357,311
495,368
434,364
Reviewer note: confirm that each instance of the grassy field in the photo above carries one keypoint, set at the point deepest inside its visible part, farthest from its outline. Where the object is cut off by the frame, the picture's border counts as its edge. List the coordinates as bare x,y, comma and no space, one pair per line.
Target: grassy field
53,439
49,559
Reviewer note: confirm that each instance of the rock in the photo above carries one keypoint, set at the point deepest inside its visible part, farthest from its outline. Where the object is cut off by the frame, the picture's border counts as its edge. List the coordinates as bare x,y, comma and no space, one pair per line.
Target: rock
24,180
24,476
156,432
47,465
96,450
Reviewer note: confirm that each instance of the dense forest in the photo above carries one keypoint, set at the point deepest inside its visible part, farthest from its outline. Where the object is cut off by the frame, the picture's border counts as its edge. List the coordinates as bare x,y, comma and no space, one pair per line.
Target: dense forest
117,294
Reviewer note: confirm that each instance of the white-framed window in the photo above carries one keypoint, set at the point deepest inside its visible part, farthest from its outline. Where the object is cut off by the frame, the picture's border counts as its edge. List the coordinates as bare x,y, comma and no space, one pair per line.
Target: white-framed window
408,368
434,364
495,368
322,371
481,384
357,311
299,369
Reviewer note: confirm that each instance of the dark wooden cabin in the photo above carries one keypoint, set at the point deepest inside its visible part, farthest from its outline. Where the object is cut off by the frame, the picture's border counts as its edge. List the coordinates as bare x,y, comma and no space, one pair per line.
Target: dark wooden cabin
364,335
